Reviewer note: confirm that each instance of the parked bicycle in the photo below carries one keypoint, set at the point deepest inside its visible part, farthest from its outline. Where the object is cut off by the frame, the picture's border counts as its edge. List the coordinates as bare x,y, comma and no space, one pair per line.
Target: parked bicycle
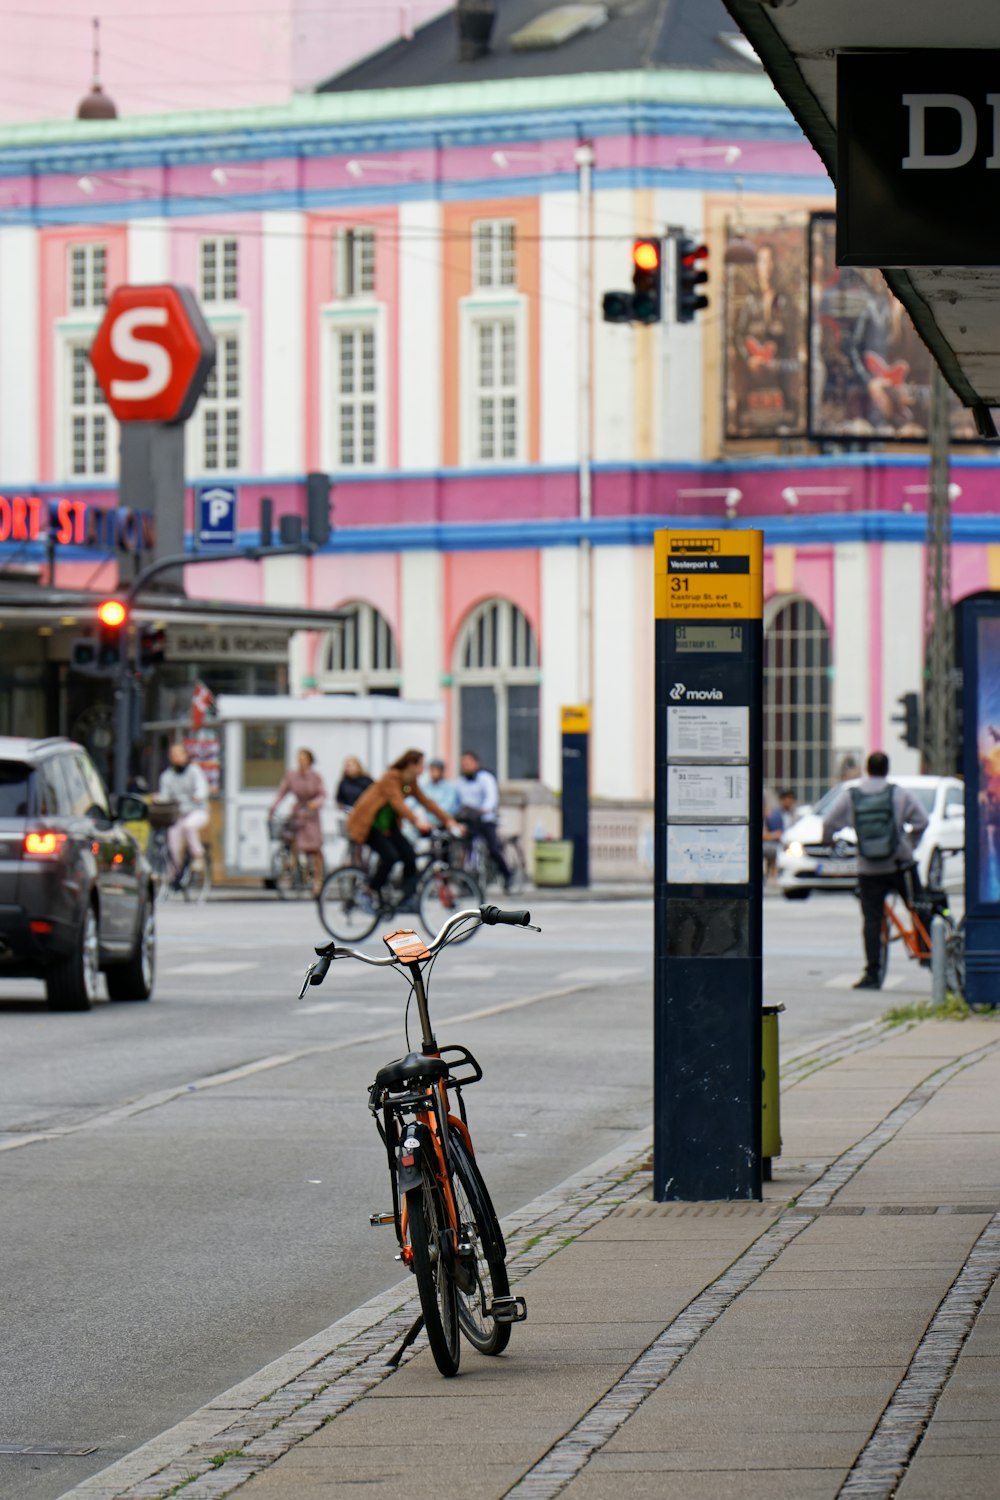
909,923
190,881
445,1223
349,908
479,862
291,875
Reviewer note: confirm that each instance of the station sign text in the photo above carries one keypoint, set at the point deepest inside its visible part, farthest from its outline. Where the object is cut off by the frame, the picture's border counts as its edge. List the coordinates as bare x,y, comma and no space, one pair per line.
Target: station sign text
74,523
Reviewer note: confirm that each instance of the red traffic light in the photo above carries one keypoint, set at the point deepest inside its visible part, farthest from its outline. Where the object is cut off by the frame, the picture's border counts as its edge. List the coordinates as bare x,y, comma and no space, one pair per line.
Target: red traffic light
693,253
646,255
112,613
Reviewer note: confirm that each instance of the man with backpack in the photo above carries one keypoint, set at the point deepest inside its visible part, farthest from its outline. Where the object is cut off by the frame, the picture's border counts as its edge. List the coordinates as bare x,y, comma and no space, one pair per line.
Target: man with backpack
888,821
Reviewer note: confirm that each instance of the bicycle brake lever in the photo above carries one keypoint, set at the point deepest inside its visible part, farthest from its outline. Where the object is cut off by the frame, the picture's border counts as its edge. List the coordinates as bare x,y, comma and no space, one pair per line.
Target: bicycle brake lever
315,974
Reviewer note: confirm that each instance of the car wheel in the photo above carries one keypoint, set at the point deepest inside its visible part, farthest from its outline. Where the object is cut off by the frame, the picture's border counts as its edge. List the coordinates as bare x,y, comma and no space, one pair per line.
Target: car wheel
935,870
134,980
799,894
71,984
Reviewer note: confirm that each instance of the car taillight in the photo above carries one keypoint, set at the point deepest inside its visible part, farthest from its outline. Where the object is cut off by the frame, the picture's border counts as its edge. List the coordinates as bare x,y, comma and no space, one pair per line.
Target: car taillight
44,845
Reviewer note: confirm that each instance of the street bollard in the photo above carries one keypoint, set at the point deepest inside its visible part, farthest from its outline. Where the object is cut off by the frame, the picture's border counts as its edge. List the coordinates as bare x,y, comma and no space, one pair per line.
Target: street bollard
770,1132
939,938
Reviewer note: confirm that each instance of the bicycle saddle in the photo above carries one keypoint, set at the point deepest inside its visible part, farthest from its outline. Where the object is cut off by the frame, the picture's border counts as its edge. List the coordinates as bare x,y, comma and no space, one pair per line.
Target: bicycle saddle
409,1068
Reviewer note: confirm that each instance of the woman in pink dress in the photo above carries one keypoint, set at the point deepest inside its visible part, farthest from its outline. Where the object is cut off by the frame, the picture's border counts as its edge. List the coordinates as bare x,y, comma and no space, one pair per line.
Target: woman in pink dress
306,786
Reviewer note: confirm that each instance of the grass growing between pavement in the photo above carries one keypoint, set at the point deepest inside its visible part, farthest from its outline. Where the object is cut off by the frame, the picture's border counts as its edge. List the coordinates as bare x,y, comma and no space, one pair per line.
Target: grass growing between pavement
951,1009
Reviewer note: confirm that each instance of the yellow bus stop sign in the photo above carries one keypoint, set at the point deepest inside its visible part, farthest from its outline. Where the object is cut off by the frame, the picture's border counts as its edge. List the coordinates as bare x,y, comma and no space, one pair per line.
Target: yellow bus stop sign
705,575
575,718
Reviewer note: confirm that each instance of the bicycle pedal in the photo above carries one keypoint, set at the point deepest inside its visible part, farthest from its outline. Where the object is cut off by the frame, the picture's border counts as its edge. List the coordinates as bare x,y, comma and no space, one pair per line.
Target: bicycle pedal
376,1219
508,1309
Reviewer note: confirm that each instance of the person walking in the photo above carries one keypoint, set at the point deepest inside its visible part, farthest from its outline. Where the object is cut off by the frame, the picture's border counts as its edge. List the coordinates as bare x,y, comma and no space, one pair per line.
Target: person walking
888,821
184,782
435,783
305,784
479,809
376,816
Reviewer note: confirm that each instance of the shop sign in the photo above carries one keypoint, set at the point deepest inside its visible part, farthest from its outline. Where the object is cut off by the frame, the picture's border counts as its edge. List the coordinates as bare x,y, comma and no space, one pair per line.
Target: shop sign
918,143
186,643
32,518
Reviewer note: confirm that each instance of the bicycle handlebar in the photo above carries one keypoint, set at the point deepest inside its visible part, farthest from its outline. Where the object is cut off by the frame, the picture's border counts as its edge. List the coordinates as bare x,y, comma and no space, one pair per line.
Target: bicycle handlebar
489,916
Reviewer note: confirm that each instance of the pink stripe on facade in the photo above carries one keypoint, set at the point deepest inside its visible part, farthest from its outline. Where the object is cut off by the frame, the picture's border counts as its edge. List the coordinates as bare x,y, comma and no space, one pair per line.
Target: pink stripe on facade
814,581
877,627
239,582
372,578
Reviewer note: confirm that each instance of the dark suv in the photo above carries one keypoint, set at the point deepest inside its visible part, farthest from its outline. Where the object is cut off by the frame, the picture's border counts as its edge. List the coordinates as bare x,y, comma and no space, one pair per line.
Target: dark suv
76,893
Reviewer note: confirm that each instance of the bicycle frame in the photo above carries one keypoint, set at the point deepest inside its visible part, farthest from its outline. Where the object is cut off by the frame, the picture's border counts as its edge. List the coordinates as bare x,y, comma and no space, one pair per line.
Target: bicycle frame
916,939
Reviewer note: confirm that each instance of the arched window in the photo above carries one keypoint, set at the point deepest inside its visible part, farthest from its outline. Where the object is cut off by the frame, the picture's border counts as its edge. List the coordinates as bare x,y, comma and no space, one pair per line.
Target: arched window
497,677
797,719
359,655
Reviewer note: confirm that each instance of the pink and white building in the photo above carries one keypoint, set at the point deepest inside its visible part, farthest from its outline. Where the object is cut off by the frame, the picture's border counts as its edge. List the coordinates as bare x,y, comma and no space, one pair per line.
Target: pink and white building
405,289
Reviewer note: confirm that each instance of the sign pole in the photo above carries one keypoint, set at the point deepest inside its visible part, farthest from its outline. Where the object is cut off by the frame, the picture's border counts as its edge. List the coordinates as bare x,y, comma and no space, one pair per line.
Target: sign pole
708,866
575,722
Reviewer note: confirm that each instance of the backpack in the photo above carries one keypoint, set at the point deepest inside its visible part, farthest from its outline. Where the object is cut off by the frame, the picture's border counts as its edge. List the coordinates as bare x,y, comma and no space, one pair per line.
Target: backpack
875,823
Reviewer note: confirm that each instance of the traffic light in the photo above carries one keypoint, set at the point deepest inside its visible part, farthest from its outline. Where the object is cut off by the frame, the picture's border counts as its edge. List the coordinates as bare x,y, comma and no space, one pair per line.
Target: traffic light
152,647
112,619
909,718
647,275
689,276
616,307
318,508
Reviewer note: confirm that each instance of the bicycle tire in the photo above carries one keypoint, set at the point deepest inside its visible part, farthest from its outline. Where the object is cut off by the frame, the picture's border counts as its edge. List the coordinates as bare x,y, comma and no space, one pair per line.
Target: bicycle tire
954,960
346,906
288,876
515,864
442,891
479,1226
196,884
884,939
428,1230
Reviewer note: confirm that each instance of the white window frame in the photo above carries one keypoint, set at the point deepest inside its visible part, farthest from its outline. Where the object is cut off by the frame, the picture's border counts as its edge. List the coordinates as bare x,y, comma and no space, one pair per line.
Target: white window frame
494,264
511,644
70,334
95,289
355,251
475,312
354,319
376,669
217,293
197,460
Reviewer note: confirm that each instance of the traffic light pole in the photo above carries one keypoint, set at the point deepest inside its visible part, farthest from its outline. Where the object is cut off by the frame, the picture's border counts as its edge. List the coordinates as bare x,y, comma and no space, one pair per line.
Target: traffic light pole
125,685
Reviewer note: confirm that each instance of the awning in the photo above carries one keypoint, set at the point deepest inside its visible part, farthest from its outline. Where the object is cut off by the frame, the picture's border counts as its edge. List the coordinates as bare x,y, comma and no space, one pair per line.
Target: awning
956,310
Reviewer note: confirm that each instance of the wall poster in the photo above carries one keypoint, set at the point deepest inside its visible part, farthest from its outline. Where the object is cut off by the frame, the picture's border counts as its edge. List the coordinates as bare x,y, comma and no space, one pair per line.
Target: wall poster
765,323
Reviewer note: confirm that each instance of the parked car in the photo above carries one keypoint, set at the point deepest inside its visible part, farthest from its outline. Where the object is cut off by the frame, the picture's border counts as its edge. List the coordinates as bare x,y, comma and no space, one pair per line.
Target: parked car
76,893
805,864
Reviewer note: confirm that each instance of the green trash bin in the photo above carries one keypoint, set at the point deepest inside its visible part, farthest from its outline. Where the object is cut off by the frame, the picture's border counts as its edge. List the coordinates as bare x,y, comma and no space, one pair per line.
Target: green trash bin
770,1133
554,862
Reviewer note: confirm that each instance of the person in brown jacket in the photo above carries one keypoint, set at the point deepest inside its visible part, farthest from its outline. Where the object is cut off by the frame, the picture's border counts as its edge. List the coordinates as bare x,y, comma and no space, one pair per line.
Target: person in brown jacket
374,820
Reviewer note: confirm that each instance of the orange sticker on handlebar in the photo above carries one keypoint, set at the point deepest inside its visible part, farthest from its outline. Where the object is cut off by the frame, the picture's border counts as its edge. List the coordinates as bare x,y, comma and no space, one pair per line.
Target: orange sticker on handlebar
407,946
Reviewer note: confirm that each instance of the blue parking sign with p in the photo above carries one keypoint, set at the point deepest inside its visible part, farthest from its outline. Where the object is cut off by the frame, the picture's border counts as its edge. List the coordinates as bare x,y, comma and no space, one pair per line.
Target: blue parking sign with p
216,515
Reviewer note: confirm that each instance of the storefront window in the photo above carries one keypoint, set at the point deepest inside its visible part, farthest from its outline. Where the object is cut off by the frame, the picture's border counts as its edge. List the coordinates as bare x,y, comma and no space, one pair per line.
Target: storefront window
263,755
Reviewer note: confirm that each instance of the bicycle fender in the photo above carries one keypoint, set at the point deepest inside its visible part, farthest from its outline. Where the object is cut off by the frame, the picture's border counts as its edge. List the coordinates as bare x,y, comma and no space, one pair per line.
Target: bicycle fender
410,1155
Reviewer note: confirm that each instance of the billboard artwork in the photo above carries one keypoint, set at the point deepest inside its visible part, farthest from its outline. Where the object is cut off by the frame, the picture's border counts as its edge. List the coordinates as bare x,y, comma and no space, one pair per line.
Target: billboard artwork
988,756
765,332
870,372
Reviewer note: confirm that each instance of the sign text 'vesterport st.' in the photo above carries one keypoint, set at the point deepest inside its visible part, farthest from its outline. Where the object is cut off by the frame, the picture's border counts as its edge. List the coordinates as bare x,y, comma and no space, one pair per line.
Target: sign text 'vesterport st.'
918,158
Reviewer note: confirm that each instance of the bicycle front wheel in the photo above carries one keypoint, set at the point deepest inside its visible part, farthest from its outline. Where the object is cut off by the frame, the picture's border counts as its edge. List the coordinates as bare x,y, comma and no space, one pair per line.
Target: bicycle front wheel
196,881
515,864
443,891
430,1240
479,1229
347,908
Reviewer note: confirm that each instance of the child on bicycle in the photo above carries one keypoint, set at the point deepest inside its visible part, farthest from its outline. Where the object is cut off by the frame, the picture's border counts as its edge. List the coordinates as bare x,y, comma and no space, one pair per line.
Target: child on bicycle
375,820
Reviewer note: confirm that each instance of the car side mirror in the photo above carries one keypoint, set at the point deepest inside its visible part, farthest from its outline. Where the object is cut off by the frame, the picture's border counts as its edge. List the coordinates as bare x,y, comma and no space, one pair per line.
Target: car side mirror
954,811
131,809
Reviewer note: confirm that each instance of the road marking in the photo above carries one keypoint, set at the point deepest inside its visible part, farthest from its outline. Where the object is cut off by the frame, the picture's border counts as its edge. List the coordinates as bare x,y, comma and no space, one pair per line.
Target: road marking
597,976
123,1112
209,970
325,1007
848,981
468,971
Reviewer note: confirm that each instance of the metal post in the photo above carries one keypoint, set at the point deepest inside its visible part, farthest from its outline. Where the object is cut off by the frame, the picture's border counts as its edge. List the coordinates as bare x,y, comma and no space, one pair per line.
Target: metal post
939,631
939,938
123,712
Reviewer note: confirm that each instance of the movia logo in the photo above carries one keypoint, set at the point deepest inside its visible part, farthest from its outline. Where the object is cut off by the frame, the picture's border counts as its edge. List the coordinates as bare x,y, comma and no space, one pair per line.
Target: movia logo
693,695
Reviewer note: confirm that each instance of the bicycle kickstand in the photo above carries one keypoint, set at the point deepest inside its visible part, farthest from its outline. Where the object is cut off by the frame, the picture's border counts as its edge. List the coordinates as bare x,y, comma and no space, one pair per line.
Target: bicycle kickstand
393,1360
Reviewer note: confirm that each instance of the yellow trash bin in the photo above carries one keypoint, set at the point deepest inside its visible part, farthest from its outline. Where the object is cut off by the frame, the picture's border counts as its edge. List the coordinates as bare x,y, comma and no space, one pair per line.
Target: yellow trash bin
554,862
770,1134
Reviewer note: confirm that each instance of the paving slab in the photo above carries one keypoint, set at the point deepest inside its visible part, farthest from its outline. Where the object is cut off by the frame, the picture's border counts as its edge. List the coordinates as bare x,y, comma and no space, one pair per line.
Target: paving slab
761,1484
971,1478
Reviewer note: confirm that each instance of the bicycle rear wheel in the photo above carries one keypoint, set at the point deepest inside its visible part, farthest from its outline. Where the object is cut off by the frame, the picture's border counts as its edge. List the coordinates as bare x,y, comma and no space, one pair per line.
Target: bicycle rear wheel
479,1229
443,891
347,908
432,1263
954,960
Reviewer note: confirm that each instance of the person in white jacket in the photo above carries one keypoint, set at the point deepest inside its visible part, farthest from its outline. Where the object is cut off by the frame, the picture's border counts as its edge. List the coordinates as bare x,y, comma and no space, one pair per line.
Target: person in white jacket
185,783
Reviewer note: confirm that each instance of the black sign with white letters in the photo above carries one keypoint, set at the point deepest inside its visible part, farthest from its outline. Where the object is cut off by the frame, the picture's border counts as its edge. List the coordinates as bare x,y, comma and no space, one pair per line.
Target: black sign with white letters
918,158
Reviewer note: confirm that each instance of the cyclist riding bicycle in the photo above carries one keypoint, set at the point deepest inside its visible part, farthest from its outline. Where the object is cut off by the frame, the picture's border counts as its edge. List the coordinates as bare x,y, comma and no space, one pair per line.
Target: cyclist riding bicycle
885,818
375,820
480,809
185,783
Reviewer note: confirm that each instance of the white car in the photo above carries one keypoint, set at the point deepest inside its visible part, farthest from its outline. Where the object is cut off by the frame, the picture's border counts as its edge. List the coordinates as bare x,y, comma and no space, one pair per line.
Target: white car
805,863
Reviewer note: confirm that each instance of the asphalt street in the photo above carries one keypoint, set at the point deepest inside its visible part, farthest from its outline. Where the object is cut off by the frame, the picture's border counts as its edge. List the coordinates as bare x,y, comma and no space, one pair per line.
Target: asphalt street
199,1201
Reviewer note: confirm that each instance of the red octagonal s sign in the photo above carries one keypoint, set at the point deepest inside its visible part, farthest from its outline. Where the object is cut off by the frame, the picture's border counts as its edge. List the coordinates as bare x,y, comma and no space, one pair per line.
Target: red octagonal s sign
152,353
